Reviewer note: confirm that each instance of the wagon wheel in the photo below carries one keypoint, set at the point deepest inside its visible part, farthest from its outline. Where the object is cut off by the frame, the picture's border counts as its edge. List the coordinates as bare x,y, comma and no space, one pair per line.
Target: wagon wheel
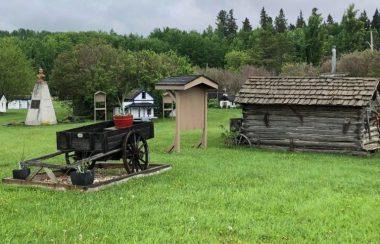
135,152
242,140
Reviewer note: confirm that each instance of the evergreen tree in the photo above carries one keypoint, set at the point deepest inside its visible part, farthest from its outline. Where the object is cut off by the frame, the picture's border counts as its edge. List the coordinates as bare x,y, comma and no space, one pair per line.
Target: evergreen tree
364,18
231,24
300,21
246,26
375,24
221,24
352,36
280,22
314,38
265,21
330,20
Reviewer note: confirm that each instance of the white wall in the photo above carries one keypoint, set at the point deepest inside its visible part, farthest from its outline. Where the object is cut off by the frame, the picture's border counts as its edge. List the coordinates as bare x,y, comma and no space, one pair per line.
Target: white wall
3,105
19,104
143,113
227,104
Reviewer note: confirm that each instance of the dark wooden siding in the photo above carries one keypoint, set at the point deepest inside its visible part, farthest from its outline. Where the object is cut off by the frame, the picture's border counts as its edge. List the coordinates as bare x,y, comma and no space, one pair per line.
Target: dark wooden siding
370,137
305,128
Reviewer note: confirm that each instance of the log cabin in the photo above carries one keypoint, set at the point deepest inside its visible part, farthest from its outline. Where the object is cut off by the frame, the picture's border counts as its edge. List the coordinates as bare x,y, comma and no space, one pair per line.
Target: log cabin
331,114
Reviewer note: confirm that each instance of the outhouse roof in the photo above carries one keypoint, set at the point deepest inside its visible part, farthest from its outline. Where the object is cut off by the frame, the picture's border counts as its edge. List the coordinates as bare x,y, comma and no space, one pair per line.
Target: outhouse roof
185,82
342,91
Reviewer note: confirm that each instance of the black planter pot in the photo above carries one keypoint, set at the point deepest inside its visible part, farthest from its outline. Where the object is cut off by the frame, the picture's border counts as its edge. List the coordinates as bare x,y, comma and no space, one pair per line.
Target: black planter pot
21,174
82,179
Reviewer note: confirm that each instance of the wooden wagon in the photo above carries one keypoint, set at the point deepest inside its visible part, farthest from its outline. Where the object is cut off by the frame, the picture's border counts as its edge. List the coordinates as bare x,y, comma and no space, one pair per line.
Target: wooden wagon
86,145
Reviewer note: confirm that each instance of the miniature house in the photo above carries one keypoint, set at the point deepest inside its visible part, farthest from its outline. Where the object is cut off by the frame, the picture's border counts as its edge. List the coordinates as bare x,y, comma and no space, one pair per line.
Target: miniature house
141,105
20,103
340,115
168,102
190,94
3,103
100,104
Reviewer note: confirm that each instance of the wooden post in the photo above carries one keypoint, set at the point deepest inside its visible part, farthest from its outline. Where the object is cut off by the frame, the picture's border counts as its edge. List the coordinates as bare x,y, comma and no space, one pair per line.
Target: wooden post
177,139
163,108
204,136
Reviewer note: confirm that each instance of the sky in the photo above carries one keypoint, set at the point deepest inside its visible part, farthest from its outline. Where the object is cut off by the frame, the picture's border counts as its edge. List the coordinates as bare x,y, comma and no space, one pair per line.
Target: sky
142,16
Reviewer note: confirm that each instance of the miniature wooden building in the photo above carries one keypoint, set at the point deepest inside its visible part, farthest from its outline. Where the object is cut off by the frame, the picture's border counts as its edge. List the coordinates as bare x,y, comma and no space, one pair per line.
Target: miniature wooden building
339,115
168,101
100,104
190,93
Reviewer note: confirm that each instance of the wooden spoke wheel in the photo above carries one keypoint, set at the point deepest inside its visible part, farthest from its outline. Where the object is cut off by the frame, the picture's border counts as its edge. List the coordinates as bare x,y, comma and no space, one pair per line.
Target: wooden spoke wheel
135,152
242,140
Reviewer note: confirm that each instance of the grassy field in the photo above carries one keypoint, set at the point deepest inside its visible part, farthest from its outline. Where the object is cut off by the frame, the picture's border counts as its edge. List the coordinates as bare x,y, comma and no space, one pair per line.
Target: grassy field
214,195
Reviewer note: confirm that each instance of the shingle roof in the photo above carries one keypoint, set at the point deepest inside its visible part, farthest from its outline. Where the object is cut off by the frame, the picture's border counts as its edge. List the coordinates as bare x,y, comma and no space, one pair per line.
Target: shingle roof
308,91
141,105
180,80
133,93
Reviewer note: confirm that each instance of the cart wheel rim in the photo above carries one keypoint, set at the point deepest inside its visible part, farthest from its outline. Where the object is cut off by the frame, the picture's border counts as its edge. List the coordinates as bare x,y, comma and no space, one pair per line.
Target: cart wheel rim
135,152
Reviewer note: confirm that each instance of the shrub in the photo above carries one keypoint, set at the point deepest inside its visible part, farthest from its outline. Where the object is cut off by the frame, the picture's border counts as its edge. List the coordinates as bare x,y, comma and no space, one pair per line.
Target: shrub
299,69
213,103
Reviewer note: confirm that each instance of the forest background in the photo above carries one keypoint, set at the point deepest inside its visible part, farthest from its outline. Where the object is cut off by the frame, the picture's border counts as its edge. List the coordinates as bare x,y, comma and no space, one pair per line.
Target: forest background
79,63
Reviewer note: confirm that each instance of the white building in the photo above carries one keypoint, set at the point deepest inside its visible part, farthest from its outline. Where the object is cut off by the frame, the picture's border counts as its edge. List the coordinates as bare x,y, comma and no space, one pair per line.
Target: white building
226,102
140,104
21,103
3,103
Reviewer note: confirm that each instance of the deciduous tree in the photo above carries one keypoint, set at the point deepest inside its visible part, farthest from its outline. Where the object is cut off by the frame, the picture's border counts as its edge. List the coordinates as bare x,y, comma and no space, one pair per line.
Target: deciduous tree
16,74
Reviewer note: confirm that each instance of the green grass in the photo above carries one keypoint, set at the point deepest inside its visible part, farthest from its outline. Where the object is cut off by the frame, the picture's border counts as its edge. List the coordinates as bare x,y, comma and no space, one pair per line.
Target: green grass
214,195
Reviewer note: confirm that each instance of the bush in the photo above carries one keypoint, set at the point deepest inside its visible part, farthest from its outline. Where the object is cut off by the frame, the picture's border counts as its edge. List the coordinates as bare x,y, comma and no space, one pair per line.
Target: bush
357,64
299,69
213,103
232,81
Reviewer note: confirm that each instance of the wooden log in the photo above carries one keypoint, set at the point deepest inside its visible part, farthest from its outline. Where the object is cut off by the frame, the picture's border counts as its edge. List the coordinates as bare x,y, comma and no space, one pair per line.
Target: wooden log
308,144
318,150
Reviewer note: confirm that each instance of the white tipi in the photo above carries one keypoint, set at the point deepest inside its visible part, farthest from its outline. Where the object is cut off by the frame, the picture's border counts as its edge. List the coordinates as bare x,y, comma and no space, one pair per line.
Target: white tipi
41,110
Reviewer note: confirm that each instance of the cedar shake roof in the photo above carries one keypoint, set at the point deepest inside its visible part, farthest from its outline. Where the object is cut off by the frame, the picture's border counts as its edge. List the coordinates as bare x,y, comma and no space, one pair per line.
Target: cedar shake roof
341,91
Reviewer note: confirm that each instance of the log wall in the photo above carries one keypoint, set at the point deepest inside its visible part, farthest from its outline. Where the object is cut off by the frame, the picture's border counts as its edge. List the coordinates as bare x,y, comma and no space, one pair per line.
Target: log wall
370,137
307,128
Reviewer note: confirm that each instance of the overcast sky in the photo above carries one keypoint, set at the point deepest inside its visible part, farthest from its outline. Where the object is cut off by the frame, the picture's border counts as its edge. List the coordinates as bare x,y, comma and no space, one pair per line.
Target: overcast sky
142,16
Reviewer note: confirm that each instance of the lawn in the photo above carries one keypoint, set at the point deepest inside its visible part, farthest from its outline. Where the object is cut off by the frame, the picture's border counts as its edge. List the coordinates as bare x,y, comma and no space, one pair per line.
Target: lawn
214,195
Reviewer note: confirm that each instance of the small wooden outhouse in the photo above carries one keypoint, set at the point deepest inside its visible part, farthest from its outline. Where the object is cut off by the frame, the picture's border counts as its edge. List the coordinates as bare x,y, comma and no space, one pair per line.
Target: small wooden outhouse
312,114
190,94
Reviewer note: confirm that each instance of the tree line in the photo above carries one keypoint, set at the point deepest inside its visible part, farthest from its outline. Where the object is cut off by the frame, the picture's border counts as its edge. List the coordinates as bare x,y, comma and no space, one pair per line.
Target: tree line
275,46
273,43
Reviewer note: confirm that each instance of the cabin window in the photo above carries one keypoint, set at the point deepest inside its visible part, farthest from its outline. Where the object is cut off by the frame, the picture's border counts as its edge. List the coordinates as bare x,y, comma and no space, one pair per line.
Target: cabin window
143,94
